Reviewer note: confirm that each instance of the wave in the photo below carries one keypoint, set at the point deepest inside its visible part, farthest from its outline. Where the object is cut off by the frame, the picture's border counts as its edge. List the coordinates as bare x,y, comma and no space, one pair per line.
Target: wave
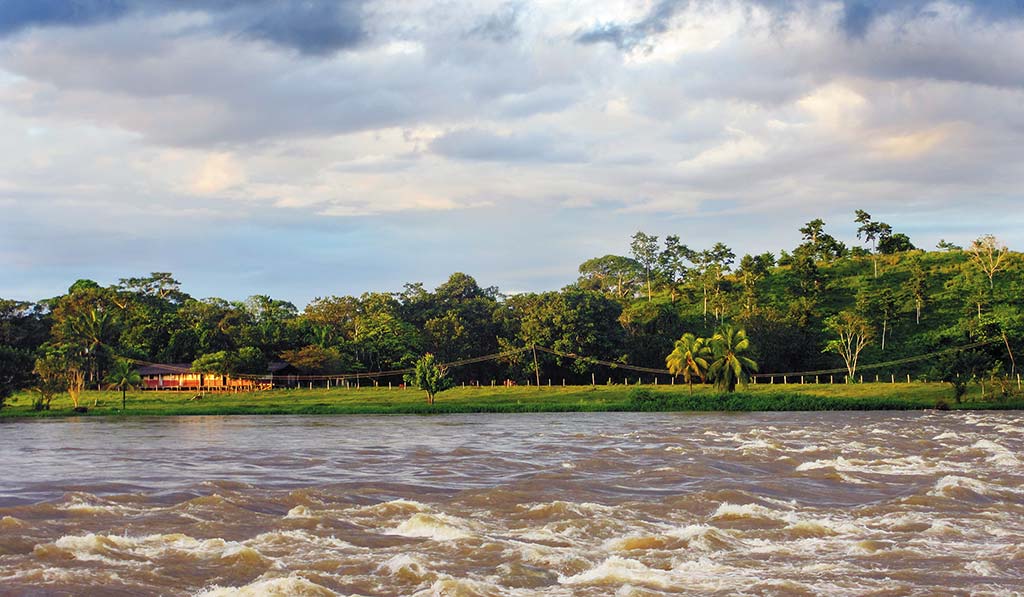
122,549
559,508
998,454
408,568
957,486
273,587
438,527
618,570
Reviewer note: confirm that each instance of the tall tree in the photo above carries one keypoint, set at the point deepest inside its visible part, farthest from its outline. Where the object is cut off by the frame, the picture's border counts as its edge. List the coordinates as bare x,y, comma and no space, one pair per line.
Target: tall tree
989,254
823,246
917,288
731,366
871,232
689,358
672,262
715,263
612,274
853,334
753,269
645,251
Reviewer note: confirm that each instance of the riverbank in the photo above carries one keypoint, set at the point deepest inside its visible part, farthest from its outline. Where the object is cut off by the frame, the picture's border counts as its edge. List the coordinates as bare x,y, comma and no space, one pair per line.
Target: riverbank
810,397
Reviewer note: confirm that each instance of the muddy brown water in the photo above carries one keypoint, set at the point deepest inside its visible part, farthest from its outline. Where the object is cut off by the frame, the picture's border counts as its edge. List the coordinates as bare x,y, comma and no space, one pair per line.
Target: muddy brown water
548,504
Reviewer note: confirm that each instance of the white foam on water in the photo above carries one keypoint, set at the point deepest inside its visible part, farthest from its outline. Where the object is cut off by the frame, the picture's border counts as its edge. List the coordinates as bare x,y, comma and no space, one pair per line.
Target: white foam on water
90,504
299,511
461,587
289,539
982,568
729,511
438,527
904,465
618,570
10,522
406,566
390,508
999,454
291,586
950,485
946,435
126,549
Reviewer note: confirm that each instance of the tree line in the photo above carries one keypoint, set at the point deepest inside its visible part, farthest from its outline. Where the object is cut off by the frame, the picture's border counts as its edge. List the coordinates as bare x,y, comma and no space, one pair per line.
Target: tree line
822,304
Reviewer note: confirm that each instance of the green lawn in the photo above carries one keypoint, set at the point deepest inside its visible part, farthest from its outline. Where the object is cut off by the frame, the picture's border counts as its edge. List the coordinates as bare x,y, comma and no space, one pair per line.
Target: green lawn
869,396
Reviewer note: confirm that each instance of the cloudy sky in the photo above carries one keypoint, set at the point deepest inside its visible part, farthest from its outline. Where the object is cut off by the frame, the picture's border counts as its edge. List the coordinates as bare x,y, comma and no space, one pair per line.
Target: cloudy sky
321,147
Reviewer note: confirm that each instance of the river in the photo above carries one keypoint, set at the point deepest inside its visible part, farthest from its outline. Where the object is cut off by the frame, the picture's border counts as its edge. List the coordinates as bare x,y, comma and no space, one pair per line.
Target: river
549,504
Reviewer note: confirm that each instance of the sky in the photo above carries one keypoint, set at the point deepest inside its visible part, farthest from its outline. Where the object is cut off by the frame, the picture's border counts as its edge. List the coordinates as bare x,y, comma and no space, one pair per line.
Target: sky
304,149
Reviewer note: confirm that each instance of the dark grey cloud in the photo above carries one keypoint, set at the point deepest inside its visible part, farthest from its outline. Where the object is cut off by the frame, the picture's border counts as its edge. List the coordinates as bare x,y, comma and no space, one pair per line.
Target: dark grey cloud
311,26
856,20
477,144
626,36
500,26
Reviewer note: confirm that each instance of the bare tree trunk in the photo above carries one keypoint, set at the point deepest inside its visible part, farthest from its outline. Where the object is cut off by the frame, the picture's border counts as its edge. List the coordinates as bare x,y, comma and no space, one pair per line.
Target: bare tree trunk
1013,361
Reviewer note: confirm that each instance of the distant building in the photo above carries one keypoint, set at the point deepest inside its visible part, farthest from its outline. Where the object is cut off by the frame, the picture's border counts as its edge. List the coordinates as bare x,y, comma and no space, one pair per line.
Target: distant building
179,376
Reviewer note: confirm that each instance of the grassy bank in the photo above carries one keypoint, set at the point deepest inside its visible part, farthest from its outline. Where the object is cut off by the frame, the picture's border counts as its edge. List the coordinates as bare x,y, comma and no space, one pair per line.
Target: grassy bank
913,396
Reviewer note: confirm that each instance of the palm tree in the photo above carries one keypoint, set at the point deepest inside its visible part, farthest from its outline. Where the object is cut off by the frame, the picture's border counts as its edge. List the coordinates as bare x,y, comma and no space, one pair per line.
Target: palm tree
731,367
689,358
123,376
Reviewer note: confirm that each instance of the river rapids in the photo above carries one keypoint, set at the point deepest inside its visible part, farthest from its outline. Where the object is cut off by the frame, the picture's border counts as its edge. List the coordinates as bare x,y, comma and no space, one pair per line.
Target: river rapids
593,504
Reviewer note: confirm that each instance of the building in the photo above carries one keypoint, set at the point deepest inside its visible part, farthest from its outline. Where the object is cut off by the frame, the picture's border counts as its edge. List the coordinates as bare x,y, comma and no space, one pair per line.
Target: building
179,376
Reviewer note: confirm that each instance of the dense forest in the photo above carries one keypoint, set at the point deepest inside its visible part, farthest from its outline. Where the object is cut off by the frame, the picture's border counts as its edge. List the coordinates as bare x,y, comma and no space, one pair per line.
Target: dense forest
801,309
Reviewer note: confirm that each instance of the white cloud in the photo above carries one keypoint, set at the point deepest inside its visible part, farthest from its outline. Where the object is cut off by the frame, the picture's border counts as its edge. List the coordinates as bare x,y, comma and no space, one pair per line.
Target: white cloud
722,108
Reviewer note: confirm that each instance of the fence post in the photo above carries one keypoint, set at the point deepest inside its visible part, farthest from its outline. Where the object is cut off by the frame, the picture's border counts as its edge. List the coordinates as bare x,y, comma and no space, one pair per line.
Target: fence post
1018,382
908,378
771,380
593,380
893,375
801,380
831,379
655,380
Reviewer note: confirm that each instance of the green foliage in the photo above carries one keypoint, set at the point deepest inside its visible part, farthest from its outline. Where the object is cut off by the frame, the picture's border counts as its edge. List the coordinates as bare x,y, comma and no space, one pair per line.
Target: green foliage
731,366
247,359
430,377
15,371
960,368
122,376
51,378
689,358
623,309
